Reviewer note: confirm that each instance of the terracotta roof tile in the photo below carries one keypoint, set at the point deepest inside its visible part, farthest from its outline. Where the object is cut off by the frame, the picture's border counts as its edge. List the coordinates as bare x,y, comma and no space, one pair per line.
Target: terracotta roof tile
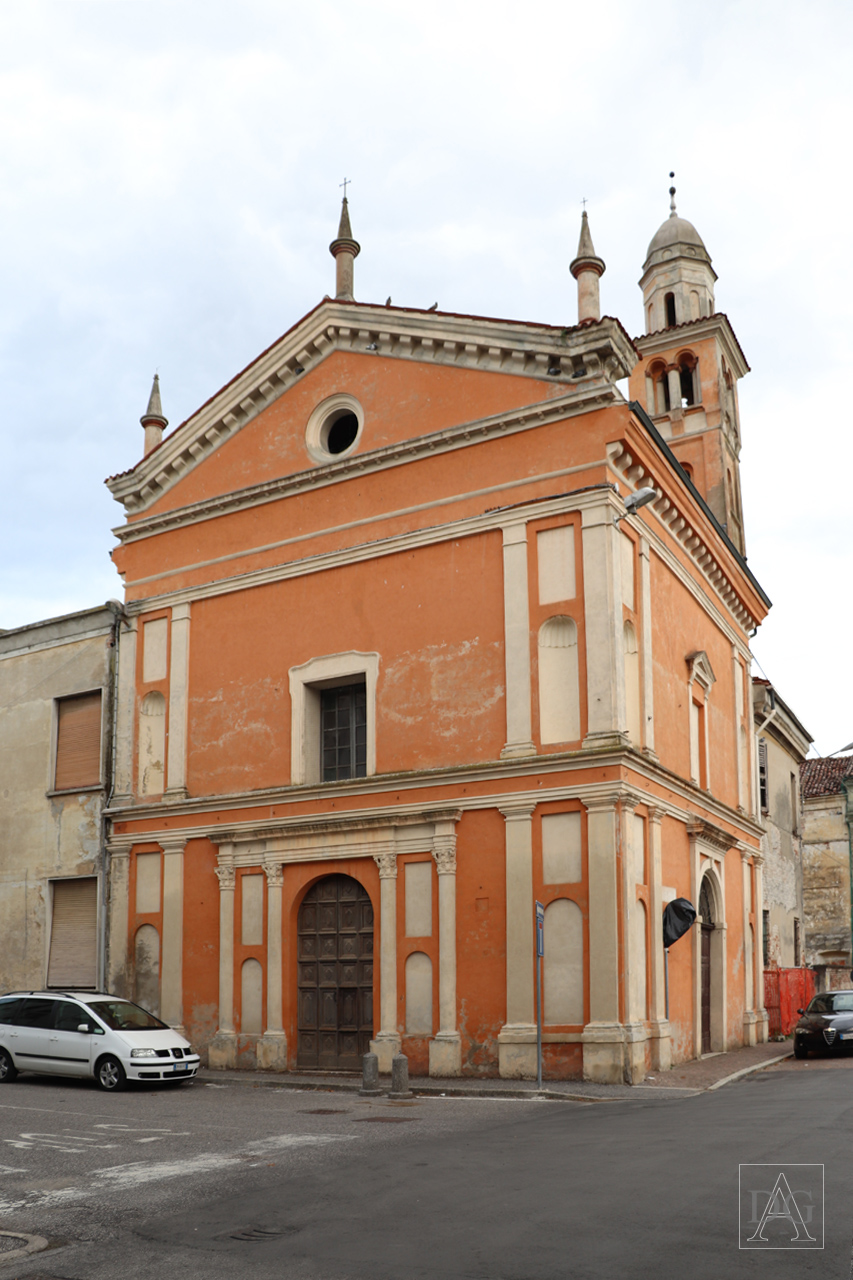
687,324
823,777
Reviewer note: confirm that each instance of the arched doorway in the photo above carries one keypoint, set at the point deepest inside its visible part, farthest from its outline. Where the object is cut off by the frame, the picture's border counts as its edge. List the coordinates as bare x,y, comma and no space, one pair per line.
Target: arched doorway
706,911
335,975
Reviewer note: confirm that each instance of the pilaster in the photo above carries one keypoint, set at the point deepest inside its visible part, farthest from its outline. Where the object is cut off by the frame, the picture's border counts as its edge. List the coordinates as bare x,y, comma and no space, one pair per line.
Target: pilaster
272,1046
519,741
223,1047
387,1042
172,961
125,713
603,1036
118,979
659,1029
648,702
445,1049
605,661
517,1038
179,671
633,972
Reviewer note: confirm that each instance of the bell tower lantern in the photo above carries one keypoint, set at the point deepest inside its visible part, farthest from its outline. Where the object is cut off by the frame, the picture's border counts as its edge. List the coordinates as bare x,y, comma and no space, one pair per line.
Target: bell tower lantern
691,362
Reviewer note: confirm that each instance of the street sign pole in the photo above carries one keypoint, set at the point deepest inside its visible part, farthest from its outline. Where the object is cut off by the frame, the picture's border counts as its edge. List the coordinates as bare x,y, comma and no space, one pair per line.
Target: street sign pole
540,951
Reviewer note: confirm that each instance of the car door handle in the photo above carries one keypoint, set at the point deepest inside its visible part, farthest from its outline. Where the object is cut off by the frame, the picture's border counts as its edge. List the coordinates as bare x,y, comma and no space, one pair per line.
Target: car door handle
53,1038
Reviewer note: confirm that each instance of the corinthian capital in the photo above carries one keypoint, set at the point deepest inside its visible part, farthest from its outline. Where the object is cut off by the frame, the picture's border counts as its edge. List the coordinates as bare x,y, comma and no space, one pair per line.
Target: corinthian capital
275,874
226,875
444,852
387,864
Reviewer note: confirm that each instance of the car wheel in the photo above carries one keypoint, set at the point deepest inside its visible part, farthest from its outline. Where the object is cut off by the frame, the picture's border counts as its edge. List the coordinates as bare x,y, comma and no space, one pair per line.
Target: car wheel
8,1070
109,1075
801,1049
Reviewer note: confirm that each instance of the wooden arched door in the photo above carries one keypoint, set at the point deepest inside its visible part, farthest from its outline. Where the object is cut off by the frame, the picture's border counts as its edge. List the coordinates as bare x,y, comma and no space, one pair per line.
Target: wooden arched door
335,975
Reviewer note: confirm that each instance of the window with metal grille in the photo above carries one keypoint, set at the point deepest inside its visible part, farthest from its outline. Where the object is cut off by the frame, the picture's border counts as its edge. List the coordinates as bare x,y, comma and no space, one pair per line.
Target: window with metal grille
343,735
765,932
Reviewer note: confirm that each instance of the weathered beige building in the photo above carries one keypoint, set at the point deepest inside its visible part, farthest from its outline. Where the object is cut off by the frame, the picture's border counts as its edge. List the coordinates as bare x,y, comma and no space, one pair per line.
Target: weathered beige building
56,681
827,815
783,744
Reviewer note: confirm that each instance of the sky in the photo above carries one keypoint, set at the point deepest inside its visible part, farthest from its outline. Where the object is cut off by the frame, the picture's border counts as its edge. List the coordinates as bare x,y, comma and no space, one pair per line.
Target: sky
169,185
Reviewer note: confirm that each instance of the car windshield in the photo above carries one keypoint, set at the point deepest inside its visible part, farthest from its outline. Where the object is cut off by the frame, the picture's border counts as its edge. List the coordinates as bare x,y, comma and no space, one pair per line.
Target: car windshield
838,1002
121,1015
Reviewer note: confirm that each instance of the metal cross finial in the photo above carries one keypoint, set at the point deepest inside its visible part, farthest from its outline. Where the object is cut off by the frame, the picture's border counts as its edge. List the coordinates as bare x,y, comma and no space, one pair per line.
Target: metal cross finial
584,203
672,195
345,184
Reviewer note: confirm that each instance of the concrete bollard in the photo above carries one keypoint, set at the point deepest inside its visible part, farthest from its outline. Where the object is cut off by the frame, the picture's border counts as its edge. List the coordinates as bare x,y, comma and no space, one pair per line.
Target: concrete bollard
400,1077
370,1074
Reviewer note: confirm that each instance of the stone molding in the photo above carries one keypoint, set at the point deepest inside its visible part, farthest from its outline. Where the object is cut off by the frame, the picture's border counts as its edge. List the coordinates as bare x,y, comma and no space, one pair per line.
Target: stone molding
591,357
635,476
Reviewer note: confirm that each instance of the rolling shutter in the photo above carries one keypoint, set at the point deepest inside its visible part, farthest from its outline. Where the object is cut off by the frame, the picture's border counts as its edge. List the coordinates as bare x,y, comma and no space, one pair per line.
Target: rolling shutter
78,742
74,935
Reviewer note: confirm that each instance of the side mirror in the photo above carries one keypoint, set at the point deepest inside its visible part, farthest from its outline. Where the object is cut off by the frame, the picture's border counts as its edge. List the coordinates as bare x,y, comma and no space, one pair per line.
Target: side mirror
84,1026
801,1011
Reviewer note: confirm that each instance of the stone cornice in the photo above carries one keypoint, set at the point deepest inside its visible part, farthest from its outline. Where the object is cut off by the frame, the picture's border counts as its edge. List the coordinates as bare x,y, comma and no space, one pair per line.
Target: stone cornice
716,326
582,400
672,513
591,356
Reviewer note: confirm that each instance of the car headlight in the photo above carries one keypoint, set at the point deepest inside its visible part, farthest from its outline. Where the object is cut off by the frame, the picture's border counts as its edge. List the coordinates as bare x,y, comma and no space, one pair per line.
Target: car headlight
143,1053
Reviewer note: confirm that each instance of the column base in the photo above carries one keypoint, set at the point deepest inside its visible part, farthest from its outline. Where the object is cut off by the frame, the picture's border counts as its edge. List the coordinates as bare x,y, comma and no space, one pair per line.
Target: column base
762,1026
517,1052
176,793
222,1052
750,1027
445,1054
635,1052
660,1044
271,1051
385,1046
604,1052
513,749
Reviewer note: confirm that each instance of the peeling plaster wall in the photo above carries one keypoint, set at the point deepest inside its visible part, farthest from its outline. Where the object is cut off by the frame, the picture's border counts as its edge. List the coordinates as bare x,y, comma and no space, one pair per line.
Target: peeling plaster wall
42,836
782,852
826,879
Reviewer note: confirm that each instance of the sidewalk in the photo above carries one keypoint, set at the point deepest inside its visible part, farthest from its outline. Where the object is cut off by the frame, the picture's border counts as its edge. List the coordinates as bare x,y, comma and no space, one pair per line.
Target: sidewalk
685,1080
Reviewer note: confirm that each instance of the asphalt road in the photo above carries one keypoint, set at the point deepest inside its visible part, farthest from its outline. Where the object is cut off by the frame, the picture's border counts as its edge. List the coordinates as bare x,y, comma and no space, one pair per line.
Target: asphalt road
229,1181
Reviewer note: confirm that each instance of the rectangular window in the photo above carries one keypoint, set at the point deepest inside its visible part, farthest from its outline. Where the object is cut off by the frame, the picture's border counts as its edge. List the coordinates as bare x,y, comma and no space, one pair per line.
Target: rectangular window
343,732
765,932
78,742
762,775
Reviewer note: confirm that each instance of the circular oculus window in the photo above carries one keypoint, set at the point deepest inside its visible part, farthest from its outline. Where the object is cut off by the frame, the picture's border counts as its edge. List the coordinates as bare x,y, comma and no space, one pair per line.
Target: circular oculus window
334,428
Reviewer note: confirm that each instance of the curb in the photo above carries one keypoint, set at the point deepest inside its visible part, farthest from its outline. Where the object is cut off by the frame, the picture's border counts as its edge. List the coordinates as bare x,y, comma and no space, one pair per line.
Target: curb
749,1071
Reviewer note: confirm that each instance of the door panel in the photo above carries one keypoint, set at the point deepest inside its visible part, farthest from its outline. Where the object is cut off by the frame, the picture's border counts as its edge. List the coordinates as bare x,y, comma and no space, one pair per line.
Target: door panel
335,1003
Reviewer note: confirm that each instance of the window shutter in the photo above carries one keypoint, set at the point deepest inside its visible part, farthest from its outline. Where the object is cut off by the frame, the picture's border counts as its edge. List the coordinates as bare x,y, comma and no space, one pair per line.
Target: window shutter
74,935
78,742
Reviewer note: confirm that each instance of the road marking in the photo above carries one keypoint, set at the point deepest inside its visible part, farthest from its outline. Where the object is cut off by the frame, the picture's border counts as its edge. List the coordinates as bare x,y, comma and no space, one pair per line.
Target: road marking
8,1168
127,1176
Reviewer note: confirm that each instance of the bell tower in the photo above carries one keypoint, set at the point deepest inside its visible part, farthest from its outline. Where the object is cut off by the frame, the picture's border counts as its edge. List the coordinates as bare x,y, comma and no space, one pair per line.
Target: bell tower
691,362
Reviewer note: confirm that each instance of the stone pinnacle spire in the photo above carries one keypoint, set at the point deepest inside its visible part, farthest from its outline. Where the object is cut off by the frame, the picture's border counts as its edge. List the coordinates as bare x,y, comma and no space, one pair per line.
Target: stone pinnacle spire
153,419
587,268
344,250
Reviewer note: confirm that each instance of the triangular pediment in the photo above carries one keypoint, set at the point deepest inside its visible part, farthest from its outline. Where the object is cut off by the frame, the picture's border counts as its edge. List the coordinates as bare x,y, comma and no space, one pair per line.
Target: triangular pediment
585,357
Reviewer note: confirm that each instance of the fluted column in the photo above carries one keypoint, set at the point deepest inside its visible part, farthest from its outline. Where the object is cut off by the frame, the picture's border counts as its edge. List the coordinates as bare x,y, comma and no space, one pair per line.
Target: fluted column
445,1049
223,1048
172,953
387,1041
659,1029
272,1046
517,1038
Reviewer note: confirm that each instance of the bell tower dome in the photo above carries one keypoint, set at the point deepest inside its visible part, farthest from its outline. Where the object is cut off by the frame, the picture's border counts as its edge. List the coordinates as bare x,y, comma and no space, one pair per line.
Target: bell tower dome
678,279
691,362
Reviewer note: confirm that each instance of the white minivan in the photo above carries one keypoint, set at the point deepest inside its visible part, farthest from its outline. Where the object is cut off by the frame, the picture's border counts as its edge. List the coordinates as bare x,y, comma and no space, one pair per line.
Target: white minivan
73,1033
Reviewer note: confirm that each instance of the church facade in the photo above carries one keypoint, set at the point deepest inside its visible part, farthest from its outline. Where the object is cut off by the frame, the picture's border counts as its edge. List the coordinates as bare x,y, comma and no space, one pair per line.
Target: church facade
427,623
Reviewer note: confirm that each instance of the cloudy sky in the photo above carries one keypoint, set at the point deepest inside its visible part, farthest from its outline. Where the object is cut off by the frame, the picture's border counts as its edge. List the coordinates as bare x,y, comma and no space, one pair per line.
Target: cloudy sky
169,176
